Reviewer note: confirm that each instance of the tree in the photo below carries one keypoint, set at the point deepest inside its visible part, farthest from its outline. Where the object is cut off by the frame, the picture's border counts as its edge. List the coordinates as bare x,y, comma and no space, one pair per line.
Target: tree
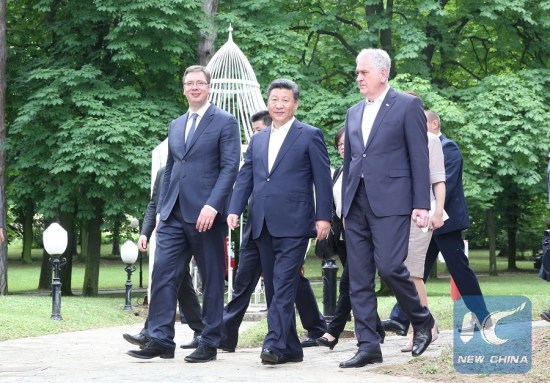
3,55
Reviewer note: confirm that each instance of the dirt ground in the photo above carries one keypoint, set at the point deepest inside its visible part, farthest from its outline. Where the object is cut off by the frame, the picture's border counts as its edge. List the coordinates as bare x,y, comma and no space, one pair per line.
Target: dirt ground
442,370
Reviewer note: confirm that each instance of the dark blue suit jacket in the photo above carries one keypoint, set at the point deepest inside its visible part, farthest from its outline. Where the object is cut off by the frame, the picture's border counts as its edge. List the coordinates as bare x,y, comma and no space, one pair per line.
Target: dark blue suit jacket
395,160
284,197
203,171
455,202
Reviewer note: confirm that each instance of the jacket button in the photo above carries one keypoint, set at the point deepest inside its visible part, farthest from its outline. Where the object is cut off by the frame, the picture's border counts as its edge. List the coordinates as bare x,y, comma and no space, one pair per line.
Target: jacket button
269,179
364,155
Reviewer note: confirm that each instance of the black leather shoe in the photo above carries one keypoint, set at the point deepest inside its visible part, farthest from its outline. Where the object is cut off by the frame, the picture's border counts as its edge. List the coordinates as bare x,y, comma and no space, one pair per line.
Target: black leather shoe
394,326
322,341
226,348
271,358
193,344
139,339
202,354
422,336
309,342
545,315
361,359
153,350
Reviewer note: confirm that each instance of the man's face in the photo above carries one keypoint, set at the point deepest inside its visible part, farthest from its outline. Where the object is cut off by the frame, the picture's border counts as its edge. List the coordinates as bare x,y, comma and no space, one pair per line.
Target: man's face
371,82
196,89
281,106
258,126
432,126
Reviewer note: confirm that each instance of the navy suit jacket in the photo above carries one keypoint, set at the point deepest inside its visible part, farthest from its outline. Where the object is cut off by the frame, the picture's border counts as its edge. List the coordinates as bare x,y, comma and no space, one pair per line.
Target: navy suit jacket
203,171
150,217
284,198
394,162
455,202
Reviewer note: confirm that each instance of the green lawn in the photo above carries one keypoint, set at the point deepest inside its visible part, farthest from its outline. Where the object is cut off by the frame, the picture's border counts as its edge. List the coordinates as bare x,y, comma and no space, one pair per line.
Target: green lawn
26,311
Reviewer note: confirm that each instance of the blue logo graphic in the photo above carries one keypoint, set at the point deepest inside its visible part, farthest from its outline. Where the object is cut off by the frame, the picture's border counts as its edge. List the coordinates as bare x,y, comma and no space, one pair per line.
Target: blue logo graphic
500,343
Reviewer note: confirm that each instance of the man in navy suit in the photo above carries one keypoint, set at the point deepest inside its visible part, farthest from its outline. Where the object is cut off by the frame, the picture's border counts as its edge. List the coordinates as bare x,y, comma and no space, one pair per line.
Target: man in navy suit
385,183
201,167
189,305
282,166
448,238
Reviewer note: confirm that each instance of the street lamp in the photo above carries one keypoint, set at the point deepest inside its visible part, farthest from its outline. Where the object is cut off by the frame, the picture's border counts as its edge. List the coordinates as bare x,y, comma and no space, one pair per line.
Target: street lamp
134,224
129,254
55,242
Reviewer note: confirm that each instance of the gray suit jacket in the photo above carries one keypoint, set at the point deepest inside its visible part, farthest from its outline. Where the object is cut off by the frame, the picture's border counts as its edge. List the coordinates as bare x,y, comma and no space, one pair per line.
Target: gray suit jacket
203,171
394,162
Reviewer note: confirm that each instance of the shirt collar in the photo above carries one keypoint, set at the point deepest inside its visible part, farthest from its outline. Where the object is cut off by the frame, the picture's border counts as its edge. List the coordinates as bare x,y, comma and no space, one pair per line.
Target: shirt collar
378,100
201,111
284,128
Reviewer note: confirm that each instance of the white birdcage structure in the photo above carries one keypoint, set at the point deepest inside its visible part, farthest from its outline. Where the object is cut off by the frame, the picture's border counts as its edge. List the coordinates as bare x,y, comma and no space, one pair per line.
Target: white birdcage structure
235,89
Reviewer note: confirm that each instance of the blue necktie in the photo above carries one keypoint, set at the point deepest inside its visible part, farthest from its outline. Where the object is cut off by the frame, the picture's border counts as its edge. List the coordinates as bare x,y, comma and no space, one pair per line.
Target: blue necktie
192,127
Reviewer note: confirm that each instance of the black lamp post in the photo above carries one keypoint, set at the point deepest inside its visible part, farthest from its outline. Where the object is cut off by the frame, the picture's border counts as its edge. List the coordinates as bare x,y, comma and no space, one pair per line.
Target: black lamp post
330,271
134,224
129,254
55,242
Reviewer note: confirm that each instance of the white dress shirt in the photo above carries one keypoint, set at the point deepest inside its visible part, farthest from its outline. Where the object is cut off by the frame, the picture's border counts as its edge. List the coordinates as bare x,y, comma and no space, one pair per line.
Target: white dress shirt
276,139
371,110
200,114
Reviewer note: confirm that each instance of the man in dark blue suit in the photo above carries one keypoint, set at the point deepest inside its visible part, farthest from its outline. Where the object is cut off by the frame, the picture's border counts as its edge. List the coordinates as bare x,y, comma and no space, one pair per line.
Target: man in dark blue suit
201,167
190,308
385,183
448,238
283,164
248,275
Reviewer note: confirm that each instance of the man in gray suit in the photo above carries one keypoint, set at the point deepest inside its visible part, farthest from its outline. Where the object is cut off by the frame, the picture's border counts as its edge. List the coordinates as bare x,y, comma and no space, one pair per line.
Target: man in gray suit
202,164
385,183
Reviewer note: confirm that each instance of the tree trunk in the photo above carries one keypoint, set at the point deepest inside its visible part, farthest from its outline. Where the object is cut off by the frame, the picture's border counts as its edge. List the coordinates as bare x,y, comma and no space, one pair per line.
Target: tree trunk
83,243
66,220
45,279
91,273
206,47
492,242
512,231
28,217
115,249
3,55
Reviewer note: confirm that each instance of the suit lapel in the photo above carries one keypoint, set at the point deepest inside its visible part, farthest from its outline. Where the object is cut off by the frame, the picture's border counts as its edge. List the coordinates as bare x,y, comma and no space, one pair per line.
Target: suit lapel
205,121
293,133
263,146
179,136
387,104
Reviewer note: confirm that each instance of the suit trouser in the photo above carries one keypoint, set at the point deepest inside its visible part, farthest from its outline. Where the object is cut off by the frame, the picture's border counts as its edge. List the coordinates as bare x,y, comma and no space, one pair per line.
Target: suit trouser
281,260
248,275
451,246
378,242
189,305
176,241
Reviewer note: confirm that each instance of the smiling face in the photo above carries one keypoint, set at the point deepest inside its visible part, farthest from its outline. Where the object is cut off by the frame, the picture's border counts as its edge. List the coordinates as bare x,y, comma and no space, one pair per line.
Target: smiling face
372,81
196,89
281,105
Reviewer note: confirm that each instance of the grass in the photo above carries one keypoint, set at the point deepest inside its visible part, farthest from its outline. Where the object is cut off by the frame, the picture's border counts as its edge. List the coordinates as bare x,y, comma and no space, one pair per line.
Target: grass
22,313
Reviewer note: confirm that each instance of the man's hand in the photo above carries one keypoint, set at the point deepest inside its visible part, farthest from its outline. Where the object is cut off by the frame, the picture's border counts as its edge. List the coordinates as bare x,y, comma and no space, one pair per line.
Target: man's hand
233,221
323,228
206,219
437,221
421,217
142,243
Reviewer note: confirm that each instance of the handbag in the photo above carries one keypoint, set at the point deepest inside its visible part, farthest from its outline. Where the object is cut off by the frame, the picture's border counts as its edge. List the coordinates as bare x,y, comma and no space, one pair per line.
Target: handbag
328,248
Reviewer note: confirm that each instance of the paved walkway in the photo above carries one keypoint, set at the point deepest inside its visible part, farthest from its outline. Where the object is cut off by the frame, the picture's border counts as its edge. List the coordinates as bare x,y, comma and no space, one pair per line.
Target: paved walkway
100,356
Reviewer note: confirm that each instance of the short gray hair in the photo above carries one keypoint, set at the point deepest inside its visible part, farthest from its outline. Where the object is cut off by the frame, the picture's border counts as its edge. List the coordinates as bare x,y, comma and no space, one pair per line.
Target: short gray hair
379,58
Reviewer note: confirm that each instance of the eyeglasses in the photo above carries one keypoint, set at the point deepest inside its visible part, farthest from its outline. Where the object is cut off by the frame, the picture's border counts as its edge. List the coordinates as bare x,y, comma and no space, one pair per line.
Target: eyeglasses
198,84
340,145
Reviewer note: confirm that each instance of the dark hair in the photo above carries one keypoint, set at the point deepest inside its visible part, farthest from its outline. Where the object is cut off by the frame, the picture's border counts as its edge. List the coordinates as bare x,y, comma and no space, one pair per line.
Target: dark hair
197,68
284,83
338,135
262,115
